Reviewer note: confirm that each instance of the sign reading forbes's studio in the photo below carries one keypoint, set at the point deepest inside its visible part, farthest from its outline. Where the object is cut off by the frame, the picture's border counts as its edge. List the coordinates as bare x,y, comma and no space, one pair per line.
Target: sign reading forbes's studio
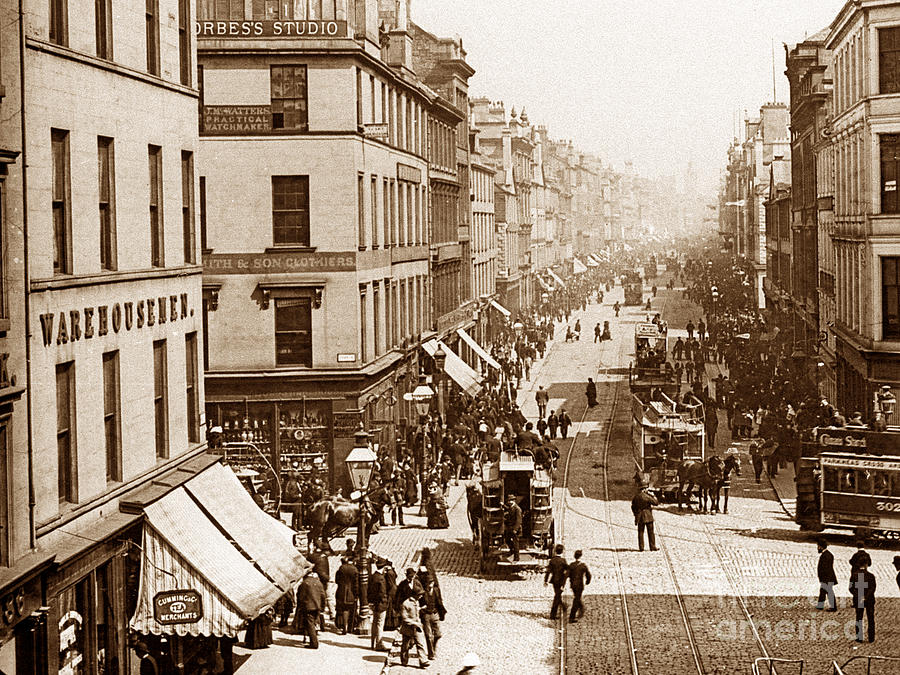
171,607
266,29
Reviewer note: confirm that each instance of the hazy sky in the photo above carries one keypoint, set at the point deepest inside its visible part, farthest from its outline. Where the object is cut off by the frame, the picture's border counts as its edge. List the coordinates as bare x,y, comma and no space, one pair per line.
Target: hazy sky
654,81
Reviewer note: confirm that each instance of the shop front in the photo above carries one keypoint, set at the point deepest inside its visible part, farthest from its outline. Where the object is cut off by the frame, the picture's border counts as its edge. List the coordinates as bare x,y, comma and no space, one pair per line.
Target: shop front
22,623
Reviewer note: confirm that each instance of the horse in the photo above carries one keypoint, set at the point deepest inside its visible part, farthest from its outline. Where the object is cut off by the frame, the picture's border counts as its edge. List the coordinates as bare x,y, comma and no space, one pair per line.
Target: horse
703,475
329,517
473,508
731,463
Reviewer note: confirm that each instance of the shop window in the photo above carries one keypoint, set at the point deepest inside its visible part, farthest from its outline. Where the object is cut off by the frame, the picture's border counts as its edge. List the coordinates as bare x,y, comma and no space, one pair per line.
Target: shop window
304,430
888,60
290,210
160,399
72,606
289,98
293,332
67,465
112,422
890,297
890,172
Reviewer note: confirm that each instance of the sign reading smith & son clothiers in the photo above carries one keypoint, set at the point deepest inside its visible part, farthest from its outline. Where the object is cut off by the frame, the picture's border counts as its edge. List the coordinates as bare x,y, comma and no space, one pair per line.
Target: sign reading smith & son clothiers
171,607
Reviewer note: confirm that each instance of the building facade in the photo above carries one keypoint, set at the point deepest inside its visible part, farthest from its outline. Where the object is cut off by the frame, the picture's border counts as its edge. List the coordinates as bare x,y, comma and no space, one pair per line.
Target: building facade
484,240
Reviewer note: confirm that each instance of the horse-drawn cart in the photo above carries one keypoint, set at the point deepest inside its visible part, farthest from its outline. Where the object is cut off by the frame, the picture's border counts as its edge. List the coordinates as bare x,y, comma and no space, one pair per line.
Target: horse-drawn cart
514,474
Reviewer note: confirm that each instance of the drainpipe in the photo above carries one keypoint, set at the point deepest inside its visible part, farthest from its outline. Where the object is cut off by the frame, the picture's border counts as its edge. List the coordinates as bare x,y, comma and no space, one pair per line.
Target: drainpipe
26,275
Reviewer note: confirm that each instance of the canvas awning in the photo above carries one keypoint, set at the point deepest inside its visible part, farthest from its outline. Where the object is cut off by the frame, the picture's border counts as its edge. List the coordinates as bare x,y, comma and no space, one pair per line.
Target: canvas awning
500,308
543,283
458,370
556,277
578,267
477,348
592,261
208,536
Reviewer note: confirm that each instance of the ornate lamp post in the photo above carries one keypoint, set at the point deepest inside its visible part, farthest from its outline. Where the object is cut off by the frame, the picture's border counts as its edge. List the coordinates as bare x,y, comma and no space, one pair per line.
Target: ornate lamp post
421,396
360,464
440,360
883,407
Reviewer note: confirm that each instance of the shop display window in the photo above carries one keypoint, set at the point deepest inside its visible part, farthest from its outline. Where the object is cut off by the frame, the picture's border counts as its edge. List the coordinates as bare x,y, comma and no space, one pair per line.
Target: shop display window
304,436
73,623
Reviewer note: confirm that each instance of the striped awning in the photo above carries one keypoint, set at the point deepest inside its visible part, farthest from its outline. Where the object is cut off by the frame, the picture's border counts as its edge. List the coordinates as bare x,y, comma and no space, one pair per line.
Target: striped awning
477,348
458,370
556,277
500,308
210,537
592,261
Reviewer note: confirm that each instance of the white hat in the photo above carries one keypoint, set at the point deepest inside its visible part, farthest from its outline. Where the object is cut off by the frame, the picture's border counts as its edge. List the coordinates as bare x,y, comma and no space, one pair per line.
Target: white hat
215,430
471,660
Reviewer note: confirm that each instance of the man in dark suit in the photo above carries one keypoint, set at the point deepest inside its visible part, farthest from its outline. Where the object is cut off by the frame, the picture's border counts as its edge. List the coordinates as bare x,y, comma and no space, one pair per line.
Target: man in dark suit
310,602
320,566
512,526
557,571
862,594
346,595
859,558
642,508
827,578
378,598
579,577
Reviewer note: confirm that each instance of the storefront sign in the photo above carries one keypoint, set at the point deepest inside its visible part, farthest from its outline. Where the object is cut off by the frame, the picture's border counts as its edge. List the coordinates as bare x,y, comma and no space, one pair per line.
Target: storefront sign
76,324
346,358
346,424
236,119
279,263
379,131
267,29
171,607
413,174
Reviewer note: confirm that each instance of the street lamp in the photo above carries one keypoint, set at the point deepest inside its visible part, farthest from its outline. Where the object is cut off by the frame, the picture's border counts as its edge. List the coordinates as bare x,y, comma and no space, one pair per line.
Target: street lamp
360,464
421,396
440,360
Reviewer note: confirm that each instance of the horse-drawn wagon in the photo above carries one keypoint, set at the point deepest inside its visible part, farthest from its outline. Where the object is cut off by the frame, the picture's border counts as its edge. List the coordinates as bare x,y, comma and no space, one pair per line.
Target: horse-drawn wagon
515,475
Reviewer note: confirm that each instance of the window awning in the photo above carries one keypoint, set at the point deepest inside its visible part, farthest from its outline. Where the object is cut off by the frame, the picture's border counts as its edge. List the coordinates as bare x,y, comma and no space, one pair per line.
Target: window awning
556,277
477,348
210,537
543,283
456,368
578,267
592,261
500,308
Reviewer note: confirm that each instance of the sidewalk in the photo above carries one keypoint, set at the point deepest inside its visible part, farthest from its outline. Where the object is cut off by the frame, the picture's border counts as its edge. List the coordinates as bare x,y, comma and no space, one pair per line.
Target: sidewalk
785,488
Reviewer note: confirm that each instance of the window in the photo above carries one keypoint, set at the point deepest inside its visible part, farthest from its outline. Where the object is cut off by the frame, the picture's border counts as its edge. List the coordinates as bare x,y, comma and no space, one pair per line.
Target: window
361,209
59,22
157,238
192,394
890,297
373,195
161,399
106,175
112,423
376,311
388,316
359,97
890,172
290,210
184,41
67,466
103,28
288,85
889,60
401,209
187,207
293,332
62,217
386,201
203,245
5,468
363,320
372,95
151,15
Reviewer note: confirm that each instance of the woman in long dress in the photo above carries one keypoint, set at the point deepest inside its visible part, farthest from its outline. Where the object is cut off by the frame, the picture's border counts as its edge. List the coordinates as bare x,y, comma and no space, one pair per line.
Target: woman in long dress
591,392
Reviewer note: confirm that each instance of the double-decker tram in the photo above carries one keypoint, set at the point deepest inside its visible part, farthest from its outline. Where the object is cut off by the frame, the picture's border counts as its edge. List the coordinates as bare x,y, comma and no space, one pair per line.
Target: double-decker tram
633,286
849,478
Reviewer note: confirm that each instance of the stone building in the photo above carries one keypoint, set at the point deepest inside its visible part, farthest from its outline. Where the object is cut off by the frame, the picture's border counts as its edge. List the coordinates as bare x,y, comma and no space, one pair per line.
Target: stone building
484,238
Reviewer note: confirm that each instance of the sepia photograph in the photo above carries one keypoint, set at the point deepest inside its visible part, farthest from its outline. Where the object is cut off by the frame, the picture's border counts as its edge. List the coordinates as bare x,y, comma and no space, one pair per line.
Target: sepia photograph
292,299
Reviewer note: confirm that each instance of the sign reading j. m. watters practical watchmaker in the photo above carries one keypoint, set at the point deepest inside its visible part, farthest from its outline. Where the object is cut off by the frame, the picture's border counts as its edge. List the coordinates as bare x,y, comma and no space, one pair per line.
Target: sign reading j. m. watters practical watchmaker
268,29
236,119
279,262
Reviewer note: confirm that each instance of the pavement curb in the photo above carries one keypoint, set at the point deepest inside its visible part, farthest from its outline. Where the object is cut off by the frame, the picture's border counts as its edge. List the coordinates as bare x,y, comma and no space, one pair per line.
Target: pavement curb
778,496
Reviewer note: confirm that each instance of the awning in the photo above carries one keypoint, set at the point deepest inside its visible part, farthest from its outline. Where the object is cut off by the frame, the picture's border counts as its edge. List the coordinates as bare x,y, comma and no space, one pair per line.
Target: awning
208,536
456,368
543,283
578,267
556,277
477,348
592,261
500,308
593,256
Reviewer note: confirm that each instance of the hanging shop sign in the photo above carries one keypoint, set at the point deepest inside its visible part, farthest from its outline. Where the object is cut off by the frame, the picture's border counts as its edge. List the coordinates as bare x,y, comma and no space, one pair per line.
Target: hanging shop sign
172,607
268,29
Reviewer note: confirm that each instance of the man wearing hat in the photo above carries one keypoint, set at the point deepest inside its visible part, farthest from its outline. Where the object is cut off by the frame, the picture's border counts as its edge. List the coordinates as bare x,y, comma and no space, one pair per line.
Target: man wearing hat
310,603
378,598
512,526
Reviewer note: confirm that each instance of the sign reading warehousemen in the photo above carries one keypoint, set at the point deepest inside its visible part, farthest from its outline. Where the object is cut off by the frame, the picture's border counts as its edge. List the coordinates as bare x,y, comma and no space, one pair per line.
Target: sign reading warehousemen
171,607
279,263
267,29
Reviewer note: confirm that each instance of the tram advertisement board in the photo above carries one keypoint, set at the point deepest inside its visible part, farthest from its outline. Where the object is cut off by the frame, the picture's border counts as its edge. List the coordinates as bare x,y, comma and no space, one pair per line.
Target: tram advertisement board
181,606
858,440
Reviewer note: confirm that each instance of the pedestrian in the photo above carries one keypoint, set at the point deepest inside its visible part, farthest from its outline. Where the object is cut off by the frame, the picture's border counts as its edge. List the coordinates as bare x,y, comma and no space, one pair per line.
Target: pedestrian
512,526
690,329
410,586
591,392
322,569
557,572
678,349
310,603
412,632
552,425
378,597
283,608
860,557
542,398
542,427
564,423
432,613
756,457
862,594
701,330
346,595
827,578
642,507
579,577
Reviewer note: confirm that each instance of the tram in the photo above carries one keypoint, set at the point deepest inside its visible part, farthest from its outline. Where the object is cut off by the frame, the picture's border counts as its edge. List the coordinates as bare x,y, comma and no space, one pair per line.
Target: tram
849,478
515,473
650,268
633,287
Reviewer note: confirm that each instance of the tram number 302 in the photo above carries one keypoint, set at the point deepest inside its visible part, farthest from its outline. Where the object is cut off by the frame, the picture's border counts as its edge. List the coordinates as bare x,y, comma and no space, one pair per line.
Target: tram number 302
887,506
